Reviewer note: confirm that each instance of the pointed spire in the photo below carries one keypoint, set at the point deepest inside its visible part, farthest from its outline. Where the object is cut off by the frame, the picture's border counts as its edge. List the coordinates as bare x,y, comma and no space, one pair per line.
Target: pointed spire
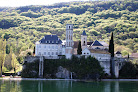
84,33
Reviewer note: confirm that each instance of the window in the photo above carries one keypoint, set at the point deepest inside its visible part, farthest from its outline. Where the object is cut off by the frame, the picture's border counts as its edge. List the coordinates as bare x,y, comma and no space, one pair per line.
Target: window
52,53
56,41
56,53
44,46
84,53
39,53
44,53
49,47
69,27
49,41
56,47
87,53
46,41
52,41
39,46
52,47
48,53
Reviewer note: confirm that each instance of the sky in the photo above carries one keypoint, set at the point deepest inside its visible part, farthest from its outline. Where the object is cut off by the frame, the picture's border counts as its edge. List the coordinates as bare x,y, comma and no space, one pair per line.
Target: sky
17,3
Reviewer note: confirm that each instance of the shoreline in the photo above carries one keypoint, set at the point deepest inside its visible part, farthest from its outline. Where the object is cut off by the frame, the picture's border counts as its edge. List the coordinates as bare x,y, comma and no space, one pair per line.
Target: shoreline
42,79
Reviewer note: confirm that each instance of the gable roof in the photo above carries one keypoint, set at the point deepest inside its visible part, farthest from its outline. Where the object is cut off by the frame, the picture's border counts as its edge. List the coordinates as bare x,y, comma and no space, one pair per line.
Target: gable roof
84,33
50,39
118,52
96,43
89,43
103,43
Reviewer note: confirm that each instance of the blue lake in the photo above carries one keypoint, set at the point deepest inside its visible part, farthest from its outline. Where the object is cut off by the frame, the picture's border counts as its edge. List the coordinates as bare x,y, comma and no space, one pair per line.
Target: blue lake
66,86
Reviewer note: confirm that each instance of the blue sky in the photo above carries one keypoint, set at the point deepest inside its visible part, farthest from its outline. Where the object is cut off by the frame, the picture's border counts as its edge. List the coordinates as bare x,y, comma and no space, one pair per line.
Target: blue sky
16,3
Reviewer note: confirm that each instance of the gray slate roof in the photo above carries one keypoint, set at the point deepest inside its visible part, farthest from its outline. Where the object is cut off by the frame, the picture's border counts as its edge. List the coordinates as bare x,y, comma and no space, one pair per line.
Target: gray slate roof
118,52
84,33
96,43
50,39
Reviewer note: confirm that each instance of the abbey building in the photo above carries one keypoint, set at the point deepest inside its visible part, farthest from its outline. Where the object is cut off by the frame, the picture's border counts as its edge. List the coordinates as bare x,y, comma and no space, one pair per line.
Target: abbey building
51,47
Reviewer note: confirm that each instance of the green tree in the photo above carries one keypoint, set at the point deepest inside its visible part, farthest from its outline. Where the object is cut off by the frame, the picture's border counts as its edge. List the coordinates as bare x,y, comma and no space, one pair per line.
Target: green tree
14,62
2,53
111,50
129,70
79,50
111,45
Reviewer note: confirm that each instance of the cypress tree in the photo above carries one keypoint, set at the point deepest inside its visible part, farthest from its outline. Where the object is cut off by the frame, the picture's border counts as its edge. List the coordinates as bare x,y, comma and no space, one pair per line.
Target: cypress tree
79,50
111,50
111,46
34,51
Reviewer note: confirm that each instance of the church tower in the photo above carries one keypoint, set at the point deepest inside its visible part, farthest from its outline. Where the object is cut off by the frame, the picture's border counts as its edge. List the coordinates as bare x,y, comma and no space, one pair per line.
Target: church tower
69,40
83,40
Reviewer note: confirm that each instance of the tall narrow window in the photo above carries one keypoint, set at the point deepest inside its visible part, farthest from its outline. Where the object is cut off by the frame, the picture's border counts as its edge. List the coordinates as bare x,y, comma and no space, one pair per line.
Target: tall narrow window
69,27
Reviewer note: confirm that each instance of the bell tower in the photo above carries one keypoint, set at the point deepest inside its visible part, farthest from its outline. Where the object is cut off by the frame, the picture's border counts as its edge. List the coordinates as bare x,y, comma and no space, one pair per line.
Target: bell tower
83,40
69,40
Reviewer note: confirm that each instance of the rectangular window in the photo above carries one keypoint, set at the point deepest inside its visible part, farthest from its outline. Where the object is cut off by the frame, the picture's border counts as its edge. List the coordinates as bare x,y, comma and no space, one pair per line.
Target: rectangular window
40,46
52,47
52,53
48,53
44,53
44,46
56,53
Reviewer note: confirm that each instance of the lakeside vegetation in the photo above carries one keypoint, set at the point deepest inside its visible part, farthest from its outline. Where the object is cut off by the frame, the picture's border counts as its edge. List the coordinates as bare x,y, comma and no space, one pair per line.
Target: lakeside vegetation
82,68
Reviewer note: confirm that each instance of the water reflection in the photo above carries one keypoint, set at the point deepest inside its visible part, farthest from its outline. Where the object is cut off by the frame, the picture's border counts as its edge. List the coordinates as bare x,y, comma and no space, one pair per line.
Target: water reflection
10,86
67,86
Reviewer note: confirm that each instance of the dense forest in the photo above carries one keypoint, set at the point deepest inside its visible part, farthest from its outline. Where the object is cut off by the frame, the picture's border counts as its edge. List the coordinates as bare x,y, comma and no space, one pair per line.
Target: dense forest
23,26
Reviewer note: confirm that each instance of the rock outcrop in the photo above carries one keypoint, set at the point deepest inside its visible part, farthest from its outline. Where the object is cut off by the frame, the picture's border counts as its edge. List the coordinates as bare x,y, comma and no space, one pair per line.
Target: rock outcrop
63,73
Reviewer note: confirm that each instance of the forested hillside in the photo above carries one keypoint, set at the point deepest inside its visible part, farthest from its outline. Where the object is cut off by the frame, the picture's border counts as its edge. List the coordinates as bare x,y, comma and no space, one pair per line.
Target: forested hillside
23,26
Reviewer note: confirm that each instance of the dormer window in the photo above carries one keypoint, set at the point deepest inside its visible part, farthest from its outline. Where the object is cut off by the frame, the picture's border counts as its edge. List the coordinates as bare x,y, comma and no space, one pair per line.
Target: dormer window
46,41
49,41
56,41
52,41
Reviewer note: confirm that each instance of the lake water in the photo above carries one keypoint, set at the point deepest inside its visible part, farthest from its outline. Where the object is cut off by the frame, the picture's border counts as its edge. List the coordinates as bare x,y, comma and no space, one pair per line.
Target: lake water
66,86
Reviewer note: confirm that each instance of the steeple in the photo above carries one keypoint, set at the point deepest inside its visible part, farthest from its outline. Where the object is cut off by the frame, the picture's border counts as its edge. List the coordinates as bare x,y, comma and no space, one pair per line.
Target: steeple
83,40
84,33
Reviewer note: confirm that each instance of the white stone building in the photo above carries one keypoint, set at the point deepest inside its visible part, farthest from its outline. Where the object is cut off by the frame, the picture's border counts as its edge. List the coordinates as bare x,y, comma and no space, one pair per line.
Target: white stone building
50,46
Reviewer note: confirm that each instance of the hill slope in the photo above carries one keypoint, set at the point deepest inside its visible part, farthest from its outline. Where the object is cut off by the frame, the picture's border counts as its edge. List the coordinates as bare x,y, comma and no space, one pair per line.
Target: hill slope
23,26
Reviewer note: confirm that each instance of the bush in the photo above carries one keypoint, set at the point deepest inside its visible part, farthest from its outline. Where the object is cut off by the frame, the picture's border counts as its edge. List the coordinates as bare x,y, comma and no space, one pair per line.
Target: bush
30,70
129,70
